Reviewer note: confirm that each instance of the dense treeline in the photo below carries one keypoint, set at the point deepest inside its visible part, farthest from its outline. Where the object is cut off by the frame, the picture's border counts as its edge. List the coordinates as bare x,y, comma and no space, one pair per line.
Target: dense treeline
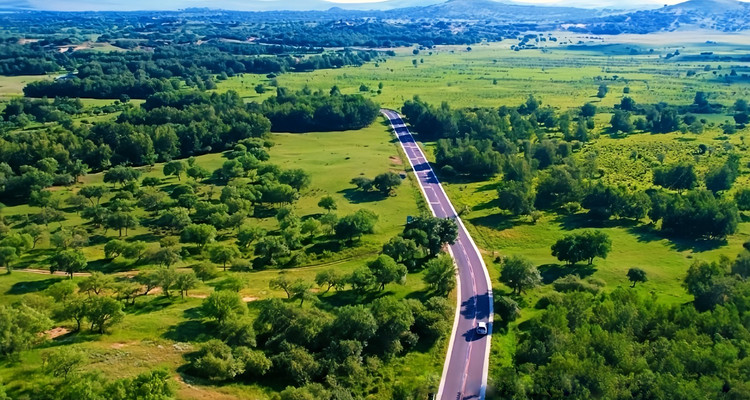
308,112
139,74
535,149
170,125
623,345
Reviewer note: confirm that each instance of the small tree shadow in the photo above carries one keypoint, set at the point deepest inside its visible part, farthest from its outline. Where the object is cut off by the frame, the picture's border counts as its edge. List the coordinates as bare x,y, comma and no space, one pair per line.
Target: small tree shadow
552,272
189,331
32,286
647,233
495,221
356,196
582,221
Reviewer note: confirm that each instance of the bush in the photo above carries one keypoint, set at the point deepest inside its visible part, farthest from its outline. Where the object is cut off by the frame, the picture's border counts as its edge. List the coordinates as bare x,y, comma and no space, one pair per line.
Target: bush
573,283
507,309
549,299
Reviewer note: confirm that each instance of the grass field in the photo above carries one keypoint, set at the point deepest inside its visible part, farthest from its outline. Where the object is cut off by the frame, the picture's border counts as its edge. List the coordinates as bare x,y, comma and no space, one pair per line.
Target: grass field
562,75
158,332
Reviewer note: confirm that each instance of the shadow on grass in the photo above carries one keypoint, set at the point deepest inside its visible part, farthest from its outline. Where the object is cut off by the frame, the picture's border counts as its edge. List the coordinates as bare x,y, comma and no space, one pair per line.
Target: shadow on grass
582,220
108,266
333,299
552,272
357,196
488,205
495,221
190,331
32,286
647,233
152,304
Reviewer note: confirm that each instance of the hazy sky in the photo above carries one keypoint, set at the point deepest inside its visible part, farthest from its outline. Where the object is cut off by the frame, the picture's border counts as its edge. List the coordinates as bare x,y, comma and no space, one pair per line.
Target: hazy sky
263,5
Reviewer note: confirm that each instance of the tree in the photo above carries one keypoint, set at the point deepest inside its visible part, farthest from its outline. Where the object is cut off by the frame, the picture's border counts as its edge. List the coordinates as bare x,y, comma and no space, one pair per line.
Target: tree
676,177
355,225
582,246
96,283
62,290
354,322
21,328
362,183
7,256
205,271
588,110
176,218
121,174
330,279
386,270
404,251
742,198
36,232
722,178
248,234
432,233
516,197
166,278
149,279
216,362
63,361
621,121
114,248
103,312
222,254
70,261
184,282
120,220
387,182
519,274
636,275
299,289
327,203
296,178
165,256
134,250
281,282
222,305
440,275
176,168
200,234
362,279
270,248
602,92
154,385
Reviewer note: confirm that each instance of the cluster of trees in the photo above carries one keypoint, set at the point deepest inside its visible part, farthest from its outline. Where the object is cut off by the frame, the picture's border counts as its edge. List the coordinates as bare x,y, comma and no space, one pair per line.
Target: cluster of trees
479,142
305,111
587,344
139,73
663,118
385,183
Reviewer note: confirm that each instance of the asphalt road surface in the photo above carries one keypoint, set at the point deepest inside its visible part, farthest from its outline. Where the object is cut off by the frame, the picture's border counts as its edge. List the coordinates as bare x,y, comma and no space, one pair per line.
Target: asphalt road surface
465,371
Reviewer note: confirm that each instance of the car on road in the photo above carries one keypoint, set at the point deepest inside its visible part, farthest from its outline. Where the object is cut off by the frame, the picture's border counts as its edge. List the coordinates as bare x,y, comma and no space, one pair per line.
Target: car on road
481,328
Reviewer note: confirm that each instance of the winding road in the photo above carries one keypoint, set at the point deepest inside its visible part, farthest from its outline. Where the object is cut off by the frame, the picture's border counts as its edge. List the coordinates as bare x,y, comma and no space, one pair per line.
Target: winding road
465,371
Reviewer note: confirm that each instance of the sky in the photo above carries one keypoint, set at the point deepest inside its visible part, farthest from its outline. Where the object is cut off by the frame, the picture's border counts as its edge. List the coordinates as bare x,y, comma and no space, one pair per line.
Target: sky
265,5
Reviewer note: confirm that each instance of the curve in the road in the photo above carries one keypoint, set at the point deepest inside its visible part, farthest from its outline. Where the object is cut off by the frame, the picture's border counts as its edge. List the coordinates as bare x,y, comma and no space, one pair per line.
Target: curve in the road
466,364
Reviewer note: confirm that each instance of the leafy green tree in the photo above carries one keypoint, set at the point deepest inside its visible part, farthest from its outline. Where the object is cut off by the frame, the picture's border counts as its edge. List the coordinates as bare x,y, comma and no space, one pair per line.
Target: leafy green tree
166,279
36,232
149,279
327,203
62,290
386,270
301,290
621,121
63,362
582,246
281,282
216,362
222,305
387,182
678,177
519,274
21,328
296,178
75,308
7,256
103,312
404,251
330,279
394,319
205,271
362,183
165,256
362,280
432,233
153,385
120,220
588,110
184,282
96,283
354,322
200,234
134,250
742,198
222,254
440,275
602,92
70,261
176,168
270,249
176,218
121,175
636,275
114,248
255,361
516,197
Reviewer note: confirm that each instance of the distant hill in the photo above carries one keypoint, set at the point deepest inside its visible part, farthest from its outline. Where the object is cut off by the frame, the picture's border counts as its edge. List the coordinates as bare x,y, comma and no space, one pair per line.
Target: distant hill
496,11
720,15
